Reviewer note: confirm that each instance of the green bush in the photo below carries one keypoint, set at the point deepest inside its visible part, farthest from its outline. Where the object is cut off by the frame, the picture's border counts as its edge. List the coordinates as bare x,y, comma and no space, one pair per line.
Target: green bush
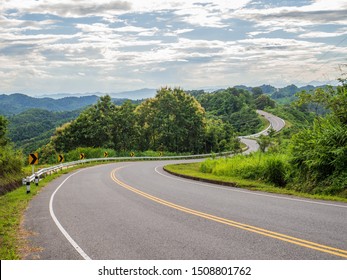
88,153
275,169
10,168
268,167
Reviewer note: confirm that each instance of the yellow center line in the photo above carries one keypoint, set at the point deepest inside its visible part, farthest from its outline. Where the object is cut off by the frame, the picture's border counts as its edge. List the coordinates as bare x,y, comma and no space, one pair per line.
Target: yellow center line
268,233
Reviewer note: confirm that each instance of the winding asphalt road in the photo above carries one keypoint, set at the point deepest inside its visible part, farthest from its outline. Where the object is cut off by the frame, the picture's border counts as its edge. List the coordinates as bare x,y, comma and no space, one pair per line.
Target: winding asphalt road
135,210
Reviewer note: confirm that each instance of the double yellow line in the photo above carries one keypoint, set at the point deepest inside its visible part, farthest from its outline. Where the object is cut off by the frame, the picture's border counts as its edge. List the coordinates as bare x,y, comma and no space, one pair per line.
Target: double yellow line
272,234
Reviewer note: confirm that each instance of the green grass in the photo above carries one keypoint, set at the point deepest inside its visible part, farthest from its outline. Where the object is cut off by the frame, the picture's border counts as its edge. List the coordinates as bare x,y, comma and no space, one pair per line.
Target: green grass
12,207
265,123
192,171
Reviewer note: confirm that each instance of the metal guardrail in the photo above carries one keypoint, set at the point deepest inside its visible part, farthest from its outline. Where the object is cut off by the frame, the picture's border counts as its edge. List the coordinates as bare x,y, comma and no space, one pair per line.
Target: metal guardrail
257,134
44,171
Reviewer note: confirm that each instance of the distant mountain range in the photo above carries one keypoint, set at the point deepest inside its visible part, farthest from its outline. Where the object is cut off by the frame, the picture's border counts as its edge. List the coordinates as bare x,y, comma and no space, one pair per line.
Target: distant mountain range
285,94
16,103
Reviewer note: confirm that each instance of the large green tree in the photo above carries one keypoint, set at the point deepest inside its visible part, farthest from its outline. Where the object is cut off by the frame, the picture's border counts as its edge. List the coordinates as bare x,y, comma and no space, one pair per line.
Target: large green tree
220,136
92,128
124,128
172,121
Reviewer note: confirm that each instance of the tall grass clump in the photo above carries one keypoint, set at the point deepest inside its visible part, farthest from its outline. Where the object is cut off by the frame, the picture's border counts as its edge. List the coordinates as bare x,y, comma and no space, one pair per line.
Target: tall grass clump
267,167
10,169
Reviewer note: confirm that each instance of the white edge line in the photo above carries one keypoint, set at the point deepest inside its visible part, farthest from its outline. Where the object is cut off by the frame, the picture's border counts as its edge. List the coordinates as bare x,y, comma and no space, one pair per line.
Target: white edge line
61,228
209,185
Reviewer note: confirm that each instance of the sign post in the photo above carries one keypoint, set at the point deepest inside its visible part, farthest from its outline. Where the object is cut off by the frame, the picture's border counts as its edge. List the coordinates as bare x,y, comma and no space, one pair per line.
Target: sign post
33,160
61,158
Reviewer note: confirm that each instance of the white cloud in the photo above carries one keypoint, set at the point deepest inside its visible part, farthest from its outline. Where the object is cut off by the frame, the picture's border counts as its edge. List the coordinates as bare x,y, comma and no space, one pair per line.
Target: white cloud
321,34
140,43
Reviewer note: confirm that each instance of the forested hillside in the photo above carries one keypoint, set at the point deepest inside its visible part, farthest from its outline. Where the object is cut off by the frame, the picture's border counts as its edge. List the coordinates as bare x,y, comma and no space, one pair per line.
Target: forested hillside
235,107
33,128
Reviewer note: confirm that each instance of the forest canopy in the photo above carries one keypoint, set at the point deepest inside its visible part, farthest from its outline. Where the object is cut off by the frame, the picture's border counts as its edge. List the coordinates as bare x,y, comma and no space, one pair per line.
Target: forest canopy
172,121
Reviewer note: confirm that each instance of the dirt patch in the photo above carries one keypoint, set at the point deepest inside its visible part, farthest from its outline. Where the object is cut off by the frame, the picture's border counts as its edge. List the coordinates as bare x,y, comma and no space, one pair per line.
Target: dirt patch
26,250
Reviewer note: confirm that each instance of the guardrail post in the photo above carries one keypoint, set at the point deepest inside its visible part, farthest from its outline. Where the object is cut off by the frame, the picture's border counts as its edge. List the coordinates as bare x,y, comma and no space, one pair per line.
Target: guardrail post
36,179
28,184
24,181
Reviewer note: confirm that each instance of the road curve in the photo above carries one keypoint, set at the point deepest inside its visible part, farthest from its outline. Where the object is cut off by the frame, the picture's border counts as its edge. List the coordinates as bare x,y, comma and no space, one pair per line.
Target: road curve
135,210
276,123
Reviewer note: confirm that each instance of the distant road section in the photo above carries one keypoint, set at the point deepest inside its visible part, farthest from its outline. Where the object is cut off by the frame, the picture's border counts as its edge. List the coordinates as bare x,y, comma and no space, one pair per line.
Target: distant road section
275,122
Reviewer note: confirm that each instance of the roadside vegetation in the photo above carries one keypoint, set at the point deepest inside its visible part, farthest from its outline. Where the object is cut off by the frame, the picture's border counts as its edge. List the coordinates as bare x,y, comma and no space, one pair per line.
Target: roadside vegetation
309,157
10,161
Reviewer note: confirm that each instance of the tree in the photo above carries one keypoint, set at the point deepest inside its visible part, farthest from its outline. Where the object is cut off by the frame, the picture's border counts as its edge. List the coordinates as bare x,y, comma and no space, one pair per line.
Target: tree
333,99
3,131
10,161
264,142
172,120
92,128
264,101
257,91
220,136
125,130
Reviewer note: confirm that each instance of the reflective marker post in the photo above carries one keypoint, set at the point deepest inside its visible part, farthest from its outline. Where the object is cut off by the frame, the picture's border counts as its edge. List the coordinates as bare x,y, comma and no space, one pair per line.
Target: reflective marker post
36,179
28,184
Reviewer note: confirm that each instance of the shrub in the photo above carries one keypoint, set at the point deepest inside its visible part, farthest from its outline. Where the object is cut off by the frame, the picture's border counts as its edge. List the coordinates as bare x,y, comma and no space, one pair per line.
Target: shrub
271,168
274,168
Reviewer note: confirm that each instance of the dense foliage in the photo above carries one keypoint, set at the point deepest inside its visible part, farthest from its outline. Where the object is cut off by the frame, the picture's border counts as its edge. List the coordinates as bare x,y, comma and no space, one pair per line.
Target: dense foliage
233,106
172,121
10,161
311,158
319,153
33,128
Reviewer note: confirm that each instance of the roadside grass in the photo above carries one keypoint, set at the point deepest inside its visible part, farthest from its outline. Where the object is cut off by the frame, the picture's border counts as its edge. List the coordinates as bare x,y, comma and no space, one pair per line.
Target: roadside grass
192,171
265,123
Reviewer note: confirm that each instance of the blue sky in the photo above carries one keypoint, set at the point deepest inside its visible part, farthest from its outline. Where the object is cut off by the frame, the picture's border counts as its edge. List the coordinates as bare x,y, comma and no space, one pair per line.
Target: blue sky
111,46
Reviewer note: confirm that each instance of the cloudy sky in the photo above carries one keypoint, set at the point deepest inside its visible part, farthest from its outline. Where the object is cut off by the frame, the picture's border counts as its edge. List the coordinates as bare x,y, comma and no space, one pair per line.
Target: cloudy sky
51,46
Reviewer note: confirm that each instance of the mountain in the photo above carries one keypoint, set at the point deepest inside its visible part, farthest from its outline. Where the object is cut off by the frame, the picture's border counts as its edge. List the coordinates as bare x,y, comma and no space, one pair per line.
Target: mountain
16,103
